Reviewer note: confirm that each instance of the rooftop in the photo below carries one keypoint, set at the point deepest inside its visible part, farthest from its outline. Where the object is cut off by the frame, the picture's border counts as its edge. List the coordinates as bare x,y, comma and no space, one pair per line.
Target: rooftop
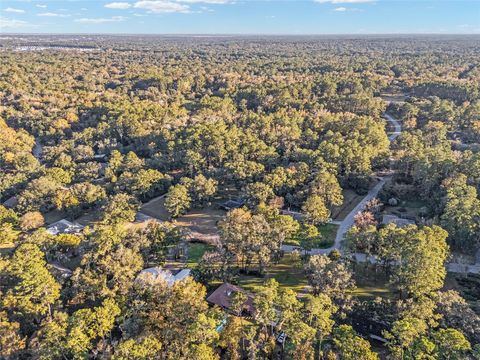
222,295
155,273
393,219
64,227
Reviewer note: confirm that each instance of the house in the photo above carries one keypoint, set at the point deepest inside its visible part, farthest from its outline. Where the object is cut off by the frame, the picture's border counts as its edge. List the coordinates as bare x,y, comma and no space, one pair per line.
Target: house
223,295
64,227
393,219
157,273
232,204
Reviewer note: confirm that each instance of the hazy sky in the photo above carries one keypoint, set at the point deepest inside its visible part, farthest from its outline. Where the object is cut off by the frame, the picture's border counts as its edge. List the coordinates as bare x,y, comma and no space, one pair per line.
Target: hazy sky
241,16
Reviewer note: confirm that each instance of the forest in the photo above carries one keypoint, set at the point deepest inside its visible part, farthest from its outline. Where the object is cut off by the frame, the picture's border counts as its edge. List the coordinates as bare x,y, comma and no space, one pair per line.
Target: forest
283,197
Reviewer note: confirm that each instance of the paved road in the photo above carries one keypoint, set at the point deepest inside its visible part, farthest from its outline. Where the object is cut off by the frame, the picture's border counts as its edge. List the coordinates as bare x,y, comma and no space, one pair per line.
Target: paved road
396,126
349,220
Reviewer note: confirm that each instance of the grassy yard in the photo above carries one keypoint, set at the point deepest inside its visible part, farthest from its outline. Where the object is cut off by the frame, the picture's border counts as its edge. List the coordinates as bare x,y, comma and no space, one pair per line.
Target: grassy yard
370,284
286,272
328,233
290,275
408,207
196,251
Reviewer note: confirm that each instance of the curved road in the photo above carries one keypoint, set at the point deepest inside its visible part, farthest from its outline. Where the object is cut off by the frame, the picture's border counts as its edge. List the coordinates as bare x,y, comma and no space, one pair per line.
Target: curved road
349,220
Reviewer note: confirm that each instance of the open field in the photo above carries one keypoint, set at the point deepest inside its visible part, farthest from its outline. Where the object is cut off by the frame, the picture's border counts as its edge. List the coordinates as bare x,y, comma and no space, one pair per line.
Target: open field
203,221
394,97
287,272
89,217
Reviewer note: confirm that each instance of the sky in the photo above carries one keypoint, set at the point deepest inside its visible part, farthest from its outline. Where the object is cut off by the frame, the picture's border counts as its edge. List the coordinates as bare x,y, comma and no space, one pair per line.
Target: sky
241,16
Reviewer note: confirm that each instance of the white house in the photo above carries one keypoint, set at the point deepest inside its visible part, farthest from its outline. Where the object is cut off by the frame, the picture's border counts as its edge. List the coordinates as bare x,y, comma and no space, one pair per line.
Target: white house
64,227
155,273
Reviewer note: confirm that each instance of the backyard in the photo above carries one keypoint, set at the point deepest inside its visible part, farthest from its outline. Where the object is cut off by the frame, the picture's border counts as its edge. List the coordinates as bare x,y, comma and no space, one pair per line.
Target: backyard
328,232
288,272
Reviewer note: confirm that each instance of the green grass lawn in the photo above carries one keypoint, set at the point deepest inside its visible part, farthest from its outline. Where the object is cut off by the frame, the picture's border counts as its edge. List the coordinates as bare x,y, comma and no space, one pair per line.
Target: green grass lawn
370,284
289,274
328,233
196,251
406,207
286,272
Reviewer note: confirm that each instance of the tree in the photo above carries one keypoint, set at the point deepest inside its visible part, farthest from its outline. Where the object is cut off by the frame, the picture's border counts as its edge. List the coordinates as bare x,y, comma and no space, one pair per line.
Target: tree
461,217
308,236
203,189
318,312
451,344
11,340
8,234
328,277
50,340
38,195
143,183
8,216
110,266
250,238
456,313
178,315
421,260
403,335
139,349
351,346
231,336
264,304
74,336
120,208
34,289
31,220
177,201
325,185
315,210
258,193
87,325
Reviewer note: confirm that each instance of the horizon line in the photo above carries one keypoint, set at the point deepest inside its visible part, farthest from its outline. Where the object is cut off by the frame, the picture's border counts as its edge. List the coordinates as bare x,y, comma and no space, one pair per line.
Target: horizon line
239,34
